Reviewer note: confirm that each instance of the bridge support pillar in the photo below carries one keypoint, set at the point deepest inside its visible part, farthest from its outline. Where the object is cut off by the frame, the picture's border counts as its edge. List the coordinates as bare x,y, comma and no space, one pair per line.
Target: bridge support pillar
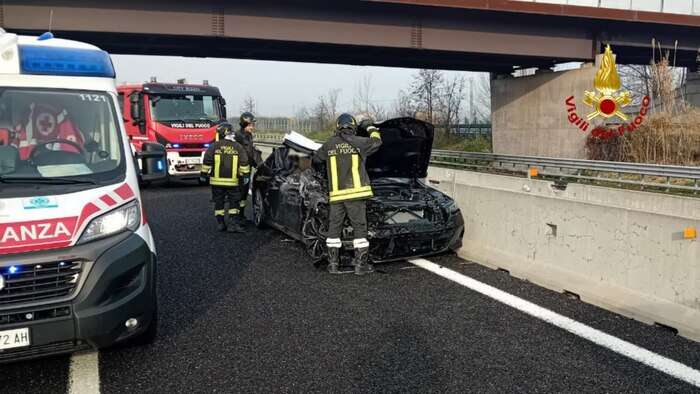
692,89
529,114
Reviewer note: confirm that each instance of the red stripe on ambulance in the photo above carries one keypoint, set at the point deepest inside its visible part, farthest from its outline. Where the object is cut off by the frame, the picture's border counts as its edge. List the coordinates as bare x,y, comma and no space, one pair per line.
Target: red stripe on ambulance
124,192
35,235
108,200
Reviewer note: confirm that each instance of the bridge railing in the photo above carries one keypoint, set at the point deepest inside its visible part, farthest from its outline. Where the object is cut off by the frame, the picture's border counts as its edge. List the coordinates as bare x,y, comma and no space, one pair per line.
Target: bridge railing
651,177
686,7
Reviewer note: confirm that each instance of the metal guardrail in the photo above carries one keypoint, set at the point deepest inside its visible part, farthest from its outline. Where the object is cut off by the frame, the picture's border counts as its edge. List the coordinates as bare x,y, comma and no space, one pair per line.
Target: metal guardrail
644,176
652,177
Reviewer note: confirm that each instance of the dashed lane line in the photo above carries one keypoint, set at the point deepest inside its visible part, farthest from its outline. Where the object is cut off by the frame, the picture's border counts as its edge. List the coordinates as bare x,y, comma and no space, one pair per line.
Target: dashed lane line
617,345
84,376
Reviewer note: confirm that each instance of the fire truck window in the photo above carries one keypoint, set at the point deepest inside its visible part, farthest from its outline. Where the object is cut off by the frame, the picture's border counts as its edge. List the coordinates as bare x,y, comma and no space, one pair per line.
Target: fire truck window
171,107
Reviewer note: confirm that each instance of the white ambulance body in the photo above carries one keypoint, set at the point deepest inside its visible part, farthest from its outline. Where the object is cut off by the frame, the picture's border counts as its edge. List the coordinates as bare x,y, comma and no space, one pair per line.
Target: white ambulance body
77,259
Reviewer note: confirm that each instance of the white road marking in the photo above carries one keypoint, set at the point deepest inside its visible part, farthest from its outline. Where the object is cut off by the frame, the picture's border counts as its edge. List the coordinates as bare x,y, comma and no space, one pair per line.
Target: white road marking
617,345
84,375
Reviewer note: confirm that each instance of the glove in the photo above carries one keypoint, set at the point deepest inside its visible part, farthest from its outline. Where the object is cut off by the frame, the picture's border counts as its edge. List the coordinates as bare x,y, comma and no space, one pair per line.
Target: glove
203,177
246,179
373,132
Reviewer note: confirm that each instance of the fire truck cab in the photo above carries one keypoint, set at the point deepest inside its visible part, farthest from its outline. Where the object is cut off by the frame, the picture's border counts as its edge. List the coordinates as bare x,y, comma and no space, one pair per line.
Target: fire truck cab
182,117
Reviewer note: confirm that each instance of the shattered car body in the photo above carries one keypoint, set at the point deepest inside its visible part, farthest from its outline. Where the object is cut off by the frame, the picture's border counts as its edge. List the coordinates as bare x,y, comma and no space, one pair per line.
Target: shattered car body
406,218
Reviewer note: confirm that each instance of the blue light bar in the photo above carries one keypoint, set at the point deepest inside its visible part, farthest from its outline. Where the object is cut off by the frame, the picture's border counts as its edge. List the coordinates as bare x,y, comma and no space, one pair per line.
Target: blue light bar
45,60
160,165
207,145
176,146
46,36
13,269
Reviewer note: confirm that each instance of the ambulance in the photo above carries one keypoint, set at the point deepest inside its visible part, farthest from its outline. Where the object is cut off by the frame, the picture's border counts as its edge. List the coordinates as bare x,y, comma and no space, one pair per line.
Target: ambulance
77,258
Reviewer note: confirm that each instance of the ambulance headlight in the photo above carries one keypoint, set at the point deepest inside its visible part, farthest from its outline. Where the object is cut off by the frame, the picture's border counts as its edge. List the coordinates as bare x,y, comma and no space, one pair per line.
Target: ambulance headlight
124,218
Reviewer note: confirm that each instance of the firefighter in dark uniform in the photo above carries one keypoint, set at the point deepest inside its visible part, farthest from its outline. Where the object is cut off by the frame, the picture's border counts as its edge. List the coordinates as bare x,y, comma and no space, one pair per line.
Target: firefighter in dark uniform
226,167
244,136
349,187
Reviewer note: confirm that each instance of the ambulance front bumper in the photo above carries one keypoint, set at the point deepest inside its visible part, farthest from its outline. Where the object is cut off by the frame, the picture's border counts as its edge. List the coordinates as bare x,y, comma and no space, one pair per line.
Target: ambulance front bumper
115,282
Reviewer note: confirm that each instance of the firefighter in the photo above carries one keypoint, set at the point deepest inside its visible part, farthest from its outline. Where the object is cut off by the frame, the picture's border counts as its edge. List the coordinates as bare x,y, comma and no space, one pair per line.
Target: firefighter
349,187
244,136
226,167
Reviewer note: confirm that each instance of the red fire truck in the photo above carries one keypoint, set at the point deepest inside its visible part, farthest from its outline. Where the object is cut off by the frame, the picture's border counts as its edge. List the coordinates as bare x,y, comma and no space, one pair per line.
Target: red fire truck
180,116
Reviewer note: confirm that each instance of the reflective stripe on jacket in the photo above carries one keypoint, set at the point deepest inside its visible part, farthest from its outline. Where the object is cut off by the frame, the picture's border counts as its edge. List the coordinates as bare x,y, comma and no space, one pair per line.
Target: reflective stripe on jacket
225,162
345,155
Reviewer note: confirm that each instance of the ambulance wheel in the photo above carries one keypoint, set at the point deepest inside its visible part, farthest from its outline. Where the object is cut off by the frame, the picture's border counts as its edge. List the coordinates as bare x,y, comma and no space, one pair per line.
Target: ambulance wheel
258,210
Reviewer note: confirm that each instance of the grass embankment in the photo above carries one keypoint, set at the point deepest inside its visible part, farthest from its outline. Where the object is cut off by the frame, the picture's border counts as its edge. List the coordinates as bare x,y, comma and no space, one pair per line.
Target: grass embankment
664,138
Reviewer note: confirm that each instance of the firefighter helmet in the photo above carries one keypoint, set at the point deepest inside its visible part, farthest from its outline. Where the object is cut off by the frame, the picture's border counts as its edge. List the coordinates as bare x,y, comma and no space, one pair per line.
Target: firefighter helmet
347,122
224,129
246,119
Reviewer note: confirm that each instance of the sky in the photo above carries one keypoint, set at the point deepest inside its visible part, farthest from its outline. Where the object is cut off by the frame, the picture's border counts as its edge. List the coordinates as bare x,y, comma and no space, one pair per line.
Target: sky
279,88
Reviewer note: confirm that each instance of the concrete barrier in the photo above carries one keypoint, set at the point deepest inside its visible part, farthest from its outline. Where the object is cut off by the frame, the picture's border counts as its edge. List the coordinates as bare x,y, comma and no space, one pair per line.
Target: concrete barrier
625,251
622,250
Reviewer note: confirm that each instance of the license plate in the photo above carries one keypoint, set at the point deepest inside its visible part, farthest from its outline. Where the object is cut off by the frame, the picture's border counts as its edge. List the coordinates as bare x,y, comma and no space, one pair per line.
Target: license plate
194,160
14,338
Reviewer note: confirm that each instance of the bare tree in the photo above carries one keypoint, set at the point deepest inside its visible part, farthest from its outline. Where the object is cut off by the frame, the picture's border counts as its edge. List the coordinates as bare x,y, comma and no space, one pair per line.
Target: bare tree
403,106
425,89
332,99
639,79
249,104
326,109
377,112
320,112
450,102
363,95
636,79
480,99
302,113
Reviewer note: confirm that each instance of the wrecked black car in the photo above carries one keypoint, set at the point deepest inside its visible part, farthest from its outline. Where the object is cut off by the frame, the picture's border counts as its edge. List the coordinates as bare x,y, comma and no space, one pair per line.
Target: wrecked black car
406,218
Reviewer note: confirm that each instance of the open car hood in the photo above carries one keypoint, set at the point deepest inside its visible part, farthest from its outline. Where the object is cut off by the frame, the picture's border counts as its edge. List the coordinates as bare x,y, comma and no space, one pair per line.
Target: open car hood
405,151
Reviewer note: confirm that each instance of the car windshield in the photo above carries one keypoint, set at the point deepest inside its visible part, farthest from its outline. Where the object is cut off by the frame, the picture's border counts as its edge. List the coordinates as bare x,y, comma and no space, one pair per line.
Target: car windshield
173,107
50,136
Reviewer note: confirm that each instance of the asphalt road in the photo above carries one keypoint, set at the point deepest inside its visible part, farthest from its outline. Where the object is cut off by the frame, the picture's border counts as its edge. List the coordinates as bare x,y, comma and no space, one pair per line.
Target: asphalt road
249,313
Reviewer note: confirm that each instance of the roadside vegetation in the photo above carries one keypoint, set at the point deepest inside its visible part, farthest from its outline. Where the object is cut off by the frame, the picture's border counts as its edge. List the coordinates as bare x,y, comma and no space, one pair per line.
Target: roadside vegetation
670,135
449,103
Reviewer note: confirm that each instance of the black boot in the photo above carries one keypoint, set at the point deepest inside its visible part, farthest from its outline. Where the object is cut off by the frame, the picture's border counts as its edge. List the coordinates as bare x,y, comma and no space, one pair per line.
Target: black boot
361,262
220,223
234,225
242,221
242,218
333,260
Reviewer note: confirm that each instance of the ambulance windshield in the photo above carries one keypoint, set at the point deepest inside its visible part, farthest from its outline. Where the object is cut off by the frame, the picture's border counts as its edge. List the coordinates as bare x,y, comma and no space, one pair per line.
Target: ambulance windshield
58,136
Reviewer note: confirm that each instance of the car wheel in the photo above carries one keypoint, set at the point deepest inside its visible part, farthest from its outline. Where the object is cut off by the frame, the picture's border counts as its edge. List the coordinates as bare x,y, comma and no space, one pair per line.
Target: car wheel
314,235
258,210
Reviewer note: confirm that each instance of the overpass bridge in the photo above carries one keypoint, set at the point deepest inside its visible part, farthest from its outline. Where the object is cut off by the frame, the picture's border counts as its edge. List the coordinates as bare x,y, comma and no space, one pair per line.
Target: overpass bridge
476,35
